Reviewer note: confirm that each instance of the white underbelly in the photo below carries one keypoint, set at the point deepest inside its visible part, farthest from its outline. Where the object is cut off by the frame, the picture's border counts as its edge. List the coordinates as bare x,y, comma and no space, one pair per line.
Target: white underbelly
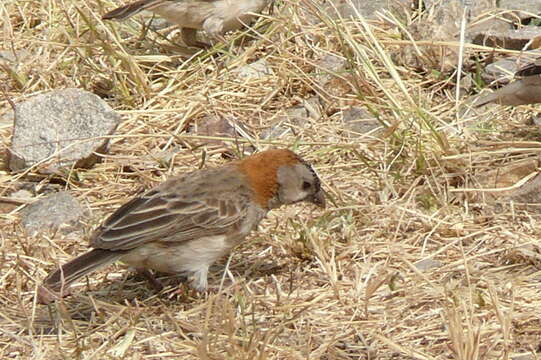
168,257
225,14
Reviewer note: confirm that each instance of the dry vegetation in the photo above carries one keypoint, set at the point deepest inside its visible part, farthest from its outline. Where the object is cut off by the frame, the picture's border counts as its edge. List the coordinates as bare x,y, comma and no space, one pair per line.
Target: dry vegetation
335,284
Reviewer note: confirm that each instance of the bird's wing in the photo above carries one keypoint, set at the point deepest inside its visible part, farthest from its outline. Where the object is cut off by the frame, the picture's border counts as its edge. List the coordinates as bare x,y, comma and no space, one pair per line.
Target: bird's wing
167,216
131,9
531,69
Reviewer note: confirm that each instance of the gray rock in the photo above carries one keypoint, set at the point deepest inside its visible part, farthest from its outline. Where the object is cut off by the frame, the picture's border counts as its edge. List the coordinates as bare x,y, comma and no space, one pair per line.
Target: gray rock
225,127
440,22
367,9
59,211
506,184
327,66
481,32
216,126
314,107
465,85
527,37
359,120
427,264
276,131
354,8
255,70
525,356
286,122
521,8
528,193
501,72
23,195
13,56
159,23
295,116
62,128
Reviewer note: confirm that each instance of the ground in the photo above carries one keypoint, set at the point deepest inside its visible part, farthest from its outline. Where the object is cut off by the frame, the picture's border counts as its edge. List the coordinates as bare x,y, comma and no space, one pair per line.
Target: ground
404,263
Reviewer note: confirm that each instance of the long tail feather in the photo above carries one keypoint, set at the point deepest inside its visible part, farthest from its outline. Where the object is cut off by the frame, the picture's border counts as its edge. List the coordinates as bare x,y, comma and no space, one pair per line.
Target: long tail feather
57,282
126,11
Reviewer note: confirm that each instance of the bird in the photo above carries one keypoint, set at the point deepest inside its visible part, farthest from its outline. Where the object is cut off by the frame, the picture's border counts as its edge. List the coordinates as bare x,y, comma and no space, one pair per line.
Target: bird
525,90
186,223
216,17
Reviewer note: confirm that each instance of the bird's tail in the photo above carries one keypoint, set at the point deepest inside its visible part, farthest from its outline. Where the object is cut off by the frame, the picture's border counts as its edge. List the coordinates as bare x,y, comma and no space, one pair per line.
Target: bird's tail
57,283
126,11
518,92
483,100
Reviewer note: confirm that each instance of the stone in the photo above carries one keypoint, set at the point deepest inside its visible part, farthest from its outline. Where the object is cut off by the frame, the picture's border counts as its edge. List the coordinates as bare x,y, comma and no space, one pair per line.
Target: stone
348,9
295,116
61,129
524,356
427,264
256,70
518,182
276,131
22,195
314,107
214,126
481,31
525,38
14,200
465,85
221,126
159,23
359,120
318,10
440,23
502,71
327,67
523,9
354,8
59,211
13,56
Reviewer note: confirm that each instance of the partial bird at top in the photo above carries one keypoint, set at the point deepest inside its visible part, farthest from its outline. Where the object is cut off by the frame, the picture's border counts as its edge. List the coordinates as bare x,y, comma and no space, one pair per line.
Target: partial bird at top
216,17
525,90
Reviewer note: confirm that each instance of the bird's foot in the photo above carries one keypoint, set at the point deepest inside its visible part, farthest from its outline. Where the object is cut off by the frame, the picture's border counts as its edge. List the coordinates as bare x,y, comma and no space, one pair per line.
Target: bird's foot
47,296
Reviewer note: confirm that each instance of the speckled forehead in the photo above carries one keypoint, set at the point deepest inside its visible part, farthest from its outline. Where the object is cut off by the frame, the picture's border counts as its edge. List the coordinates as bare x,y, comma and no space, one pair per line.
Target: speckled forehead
317,181
310,169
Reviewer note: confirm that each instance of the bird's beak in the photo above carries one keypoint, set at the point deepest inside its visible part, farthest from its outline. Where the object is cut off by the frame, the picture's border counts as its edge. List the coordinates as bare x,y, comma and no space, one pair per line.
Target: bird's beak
319,198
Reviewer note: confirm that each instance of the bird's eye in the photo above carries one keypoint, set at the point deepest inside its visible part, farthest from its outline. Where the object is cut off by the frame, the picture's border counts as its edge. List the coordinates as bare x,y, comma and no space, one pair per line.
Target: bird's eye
306,185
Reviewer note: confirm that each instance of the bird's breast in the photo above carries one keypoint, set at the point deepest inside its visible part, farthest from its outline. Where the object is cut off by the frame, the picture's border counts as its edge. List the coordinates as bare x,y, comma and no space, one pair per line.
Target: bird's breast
237,13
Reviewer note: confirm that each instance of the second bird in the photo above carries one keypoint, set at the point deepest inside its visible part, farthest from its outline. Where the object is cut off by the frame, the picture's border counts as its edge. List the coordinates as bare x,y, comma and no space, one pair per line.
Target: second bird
526,89
216,17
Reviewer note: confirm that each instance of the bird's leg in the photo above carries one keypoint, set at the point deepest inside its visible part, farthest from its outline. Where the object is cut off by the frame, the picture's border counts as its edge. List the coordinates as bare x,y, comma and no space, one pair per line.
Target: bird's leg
156,284
47,296
189,37
198,279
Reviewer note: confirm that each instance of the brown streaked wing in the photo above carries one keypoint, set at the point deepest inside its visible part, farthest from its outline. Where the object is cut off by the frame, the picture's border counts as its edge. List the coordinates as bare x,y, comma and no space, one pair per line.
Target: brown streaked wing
531,69
166,218
128,10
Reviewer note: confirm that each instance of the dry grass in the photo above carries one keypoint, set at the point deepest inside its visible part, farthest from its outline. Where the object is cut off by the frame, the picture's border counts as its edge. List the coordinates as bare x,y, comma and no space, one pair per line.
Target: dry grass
338,284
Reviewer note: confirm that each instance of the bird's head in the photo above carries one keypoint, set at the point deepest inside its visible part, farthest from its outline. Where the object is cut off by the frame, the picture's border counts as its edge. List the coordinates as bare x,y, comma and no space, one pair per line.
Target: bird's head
281,177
